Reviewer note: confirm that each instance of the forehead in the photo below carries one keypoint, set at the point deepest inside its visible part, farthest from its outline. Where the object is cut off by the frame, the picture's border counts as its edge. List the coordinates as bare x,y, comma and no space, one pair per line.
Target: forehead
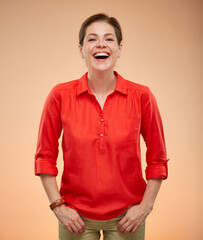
100,28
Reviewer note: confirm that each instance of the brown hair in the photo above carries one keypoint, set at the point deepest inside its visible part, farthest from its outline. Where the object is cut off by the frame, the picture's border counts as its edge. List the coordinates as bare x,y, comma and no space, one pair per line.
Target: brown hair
100,17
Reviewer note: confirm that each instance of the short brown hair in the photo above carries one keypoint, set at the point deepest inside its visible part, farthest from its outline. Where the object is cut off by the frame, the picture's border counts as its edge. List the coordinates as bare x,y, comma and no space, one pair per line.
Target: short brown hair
101,17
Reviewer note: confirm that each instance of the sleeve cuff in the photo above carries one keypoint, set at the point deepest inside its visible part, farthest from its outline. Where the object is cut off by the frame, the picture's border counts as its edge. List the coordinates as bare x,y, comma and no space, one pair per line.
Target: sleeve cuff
45,166
160,171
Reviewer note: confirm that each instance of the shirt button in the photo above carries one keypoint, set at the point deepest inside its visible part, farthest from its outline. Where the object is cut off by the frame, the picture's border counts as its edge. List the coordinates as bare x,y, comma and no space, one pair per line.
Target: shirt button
102,120
101,135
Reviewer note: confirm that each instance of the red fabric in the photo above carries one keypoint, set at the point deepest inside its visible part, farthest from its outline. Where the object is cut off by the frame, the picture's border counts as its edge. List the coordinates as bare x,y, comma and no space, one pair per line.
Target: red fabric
101,147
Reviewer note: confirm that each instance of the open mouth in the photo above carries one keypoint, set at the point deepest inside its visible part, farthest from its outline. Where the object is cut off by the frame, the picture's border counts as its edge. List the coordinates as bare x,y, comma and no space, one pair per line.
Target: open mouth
102,55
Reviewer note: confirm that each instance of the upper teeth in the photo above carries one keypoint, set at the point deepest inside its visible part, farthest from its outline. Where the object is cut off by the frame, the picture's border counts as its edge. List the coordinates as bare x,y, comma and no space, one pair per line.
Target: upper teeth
101,54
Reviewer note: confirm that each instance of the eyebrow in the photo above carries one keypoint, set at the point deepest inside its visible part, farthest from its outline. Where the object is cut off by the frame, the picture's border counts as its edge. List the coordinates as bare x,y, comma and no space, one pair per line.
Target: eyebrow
104,34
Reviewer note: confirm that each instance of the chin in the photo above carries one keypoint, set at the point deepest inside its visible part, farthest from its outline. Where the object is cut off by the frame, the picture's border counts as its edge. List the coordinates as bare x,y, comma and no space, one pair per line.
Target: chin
102,68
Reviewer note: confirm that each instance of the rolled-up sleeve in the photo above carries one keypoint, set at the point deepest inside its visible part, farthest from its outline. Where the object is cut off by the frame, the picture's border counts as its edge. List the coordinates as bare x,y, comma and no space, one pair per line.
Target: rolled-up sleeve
153,135
49,132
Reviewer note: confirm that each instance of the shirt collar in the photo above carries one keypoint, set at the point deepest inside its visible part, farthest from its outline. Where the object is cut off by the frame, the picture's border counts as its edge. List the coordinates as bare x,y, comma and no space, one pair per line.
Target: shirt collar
83,85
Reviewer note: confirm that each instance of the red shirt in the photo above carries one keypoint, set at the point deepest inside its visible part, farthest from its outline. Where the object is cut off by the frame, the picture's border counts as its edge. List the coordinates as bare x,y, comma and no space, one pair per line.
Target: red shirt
101,147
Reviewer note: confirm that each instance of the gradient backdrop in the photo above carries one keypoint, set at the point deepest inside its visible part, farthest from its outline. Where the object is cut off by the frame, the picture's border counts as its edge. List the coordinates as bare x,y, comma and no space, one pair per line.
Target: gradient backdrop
162,48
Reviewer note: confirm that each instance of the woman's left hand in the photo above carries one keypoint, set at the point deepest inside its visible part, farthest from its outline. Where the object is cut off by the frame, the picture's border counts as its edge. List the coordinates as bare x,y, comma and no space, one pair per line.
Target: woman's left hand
134,217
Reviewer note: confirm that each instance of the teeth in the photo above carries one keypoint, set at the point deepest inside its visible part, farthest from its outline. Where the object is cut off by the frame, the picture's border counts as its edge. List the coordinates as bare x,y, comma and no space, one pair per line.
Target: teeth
101,54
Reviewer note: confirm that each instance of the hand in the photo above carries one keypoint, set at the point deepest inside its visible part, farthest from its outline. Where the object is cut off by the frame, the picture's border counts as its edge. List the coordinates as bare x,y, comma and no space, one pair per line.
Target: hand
70,219
134,217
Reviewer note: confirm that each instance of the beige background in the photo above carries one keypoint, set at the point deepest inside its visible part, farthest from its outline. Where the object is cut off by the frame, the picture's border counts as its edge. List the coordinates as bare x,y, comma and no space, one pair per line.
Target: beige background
162,49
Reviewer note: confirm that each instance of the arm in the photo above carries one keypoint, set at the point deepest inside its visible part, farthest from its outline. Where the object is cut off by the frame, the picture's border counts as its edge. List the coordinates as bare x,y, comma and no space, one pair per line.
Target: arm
156,171
152,189
46,157
137,214
66,215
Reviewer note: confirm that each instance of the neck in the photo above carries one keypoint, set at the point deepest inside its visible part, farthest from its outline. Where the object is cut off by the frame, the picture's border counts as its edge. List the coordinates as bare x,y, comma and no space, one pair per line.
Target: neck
101,83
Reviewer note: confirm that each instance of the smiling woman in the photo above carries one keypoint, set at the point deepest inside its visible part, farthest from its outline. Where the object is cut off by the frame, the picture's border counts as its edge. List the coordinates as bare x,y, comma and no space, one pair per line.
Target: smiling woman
102,116
100,49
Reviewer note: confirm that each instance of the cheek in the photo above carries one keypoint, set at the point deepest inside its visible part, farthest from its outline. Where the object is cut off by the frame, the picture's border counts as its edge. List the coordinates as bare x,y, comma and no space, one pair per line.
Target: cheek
114,49
116,54
89,51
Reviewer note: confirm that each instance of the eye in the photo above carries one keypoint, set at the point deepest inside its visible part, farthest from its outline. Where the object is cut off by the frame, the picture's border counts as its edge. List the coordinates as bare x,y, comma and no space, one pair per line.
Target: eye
91,39
109,39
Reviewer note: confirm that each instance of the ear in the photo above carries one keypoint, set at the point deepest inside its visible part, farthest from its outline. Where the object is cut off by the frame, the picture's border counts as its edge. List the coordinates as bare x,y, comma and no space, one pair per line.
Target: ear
120,50
80,51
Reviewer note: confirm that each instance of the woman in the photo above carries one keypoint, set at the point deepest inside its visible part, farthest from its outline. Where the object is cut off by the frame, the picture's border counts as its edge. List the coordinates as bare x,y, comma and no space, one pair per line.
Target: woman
102,116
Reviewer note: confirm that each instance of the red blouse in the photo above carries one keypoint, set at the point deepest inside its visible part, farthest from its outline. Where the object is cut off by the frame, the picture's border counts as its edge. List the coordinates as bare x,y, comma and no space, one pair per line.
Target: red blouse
101,147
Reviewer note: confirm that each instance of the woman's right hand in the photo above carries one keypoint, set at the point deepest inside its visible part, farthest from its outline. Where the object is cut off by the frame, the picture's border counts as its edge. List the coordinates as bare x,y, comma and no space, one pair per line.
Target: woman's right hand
66,215
70,219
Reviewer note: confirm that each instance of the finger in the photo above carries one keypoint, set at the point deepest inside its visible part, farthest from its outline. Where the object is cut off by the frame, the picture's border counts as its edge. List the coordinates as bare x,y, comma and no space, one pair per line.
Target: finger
122,222
81,222
134,229
124,226
69,228
79,227
78,223
74,228
129,228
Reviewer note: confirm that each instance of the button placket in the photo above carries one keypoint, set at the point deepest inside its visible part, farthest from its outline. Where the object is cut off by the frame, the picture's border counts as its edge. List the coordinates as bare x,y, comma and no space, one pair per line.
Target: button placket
102,133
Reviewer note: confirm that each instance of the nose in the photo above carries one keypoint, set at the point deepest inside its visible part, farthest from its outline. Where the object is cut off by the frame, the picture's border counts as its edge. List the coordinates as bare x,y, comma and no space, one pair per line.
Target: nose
101,43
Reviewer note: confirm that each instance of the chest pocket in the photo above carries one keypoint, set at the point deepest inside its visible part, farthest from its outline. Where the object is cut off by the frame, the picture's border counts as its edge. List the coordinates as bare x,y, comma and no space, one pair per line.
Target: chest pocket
123,131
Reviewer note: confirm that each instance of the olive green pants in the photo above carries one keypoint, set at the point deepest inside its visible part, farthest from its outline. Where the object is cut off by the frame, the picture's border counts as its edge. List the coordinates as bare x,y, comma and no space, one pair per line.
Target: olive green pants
109,227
